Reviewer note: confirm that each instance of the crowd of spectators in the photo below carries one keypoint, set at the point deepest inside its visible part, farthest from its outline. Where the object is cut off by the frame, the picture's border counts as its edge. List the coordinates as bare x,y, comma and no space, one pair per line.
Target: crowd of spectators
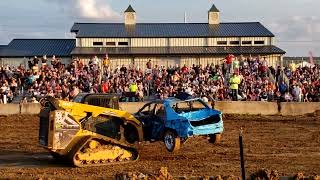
236,78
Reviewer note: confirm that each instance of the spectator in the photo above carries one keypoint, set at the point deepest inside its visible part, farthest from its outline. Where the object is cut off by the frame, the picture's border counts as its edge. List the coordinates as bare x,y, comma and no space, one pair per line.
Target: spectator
34,100
287,96
252,80
105,87
229,60
133,87
234,85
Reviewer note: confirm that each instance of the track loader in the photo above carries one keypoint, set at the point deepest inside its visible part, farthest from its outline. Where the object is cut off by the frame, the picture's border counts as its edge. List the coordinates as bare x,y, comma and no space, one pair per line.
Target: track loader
87,135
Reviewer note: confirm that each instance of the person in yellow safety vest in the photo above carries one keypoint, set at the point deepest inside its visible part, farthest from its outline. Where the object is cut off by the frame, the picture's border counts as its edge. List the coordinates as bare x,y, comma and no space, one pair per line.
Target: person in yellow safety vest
133,87
234,85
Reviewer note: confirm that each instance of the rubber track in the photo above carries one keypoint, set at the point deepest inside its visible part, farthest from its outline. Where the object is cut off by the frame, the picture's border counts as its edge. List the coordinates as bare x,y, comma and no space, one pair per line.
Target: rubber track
107,140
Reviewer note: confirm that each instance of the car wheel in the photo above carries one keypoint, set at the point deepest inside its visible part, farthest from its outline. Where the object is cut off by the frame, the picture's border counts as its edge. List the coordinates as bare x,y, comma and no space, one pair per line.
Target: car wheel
215,138
171,141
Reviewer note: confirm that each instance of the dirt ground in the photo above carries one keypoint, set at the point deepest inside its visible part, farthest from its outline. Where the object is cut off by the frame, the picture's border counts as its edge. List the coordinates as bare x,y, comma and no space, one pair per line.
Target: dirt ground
286,144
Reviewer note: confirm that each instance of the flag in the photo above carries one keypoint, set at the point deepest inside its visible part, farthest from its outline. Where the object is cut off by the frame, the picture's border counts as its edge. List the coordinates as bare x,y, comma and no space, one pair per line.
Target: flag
311,58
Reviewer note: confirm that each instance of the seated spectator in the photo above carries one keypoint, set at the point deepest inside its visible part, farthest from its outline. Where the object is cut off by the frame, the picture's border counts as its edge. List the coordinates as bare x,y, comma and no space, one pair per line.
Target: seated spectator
287,97
34,100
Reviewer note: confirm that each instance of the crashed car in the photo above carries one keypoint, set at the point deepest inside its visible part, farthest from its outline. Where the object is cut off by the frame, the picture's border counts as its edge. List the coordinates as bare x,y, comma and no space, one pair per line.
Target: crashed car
174,121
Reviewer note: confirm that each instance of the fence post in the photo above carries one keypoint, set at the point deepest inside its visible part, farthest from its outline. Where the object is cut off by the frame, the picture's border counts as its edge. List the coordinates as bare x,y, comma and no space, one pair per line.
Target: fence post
242,156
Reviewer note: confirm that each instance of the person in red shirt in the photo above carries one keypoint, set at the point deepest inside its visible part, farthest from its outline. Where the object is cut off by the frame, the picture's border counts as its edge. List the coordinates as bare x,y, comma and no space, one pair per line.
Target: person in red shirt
105,87
184,69
228,61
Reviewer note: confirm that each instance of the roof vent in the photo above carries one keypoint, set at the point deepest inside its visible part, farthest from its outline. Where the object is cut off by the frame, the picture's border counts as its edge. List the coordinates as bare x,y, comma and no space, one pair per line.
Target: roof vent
130,16
214,15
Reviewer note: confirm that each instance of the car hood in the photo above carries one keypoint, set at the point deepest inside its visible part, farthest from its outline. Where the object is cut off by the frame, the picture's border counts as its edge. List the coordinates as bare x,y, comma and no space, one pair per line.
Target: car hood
200,115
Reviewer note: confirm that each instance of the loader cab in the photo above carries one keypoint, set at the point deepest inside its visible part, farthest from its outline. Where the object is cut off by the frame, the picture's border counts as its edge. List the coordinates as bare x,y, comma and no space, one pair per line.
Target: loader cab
101,100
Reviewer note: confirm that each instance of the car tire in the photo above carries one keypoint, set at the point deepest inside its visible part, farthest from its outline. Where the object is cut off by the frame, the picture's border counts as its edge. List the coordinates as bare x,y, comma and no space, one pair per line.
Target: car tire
171,141
215,138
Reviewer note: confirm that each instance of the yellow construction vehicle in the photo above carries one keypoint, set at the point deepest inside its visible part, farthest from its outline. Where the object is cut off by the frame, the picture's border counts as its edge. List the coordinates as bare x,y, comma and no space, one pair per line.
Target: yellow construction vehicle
87,135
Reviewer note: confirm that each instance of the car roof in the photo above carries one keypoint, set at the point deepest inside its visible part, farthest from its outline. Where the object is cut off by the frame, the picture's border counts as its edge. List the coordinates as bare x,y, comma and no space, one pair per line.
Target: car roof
172,100
111,94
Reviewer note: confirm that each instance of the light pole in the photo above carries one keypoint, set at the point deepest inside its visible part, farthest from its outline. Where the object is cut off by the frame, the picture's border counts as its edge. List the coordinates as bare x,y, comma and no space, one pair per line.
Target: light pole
101,71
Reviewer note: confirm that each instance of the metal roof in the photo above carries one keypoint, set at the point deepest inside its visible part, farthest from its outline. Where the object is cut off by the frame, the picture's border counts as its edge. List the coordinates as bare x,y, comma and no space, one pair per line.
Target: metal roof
2,47
214,9
165,30
212,50
38,47
130,9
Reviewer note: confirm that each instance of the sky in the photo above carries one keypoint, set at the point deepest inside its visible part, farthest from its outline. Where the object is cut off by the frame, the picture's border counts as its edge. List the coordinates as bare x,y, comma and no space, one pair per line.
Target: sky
295,23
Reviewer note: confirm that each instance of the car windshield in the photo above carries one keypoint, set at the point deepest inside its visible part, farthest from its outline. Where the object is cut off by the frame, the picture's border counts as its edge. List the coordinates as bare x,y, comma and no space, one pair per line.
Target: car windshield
187,106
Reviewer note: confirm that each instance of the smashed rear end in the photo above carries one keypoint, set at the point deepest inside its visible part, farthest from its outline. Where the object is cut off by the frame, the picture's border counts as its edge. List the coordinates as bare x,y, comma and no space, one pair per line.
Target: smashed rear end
195,118
204,122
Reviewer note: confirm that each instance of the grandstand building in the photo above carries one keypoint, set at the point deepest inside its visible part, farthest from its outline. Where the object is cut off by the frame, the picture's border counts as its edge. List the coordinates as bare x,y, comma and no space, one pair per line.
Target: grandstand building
168,44
132,43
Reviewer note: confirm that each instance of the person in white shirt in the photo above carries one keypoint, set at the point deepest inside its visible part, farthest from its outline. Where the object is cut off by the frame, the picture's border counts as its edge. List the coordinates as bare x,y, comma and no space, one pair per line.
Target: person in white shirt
297,92
95,60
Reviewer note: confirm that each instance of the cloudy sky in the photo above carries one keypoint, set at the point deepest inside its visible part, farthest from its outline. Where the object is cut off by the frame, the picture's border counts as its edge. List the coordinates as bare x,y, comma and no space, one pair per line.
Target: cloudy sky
296,23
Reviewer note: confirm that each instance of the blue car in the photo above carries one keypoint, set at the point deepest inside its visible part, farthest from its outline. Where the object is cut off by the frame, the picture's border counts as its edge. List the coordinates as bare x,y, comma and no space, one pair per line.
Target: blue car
174,121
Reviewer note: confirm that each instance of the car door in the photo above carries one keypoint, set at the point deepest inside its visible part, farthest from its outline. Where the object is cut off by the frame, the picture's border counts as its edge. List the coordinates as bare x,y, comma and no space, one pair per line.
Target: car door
145,115
158,121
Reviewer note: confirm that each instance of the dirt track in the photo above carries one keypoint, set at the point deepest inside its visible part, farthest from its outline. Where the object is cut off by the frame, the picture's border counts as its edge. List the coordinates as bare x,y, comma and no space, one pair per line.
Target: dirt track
286,144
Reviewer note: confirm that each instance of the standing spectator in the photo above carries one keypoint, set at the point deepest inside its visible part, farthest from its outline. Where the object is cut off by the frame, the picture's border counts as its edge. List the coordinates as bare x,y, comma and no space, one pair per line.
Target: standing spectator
133,87
106,62
35,61
297,93
283,87
236,65
149,64
123,69
44,61
229,60
30,63
234,85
